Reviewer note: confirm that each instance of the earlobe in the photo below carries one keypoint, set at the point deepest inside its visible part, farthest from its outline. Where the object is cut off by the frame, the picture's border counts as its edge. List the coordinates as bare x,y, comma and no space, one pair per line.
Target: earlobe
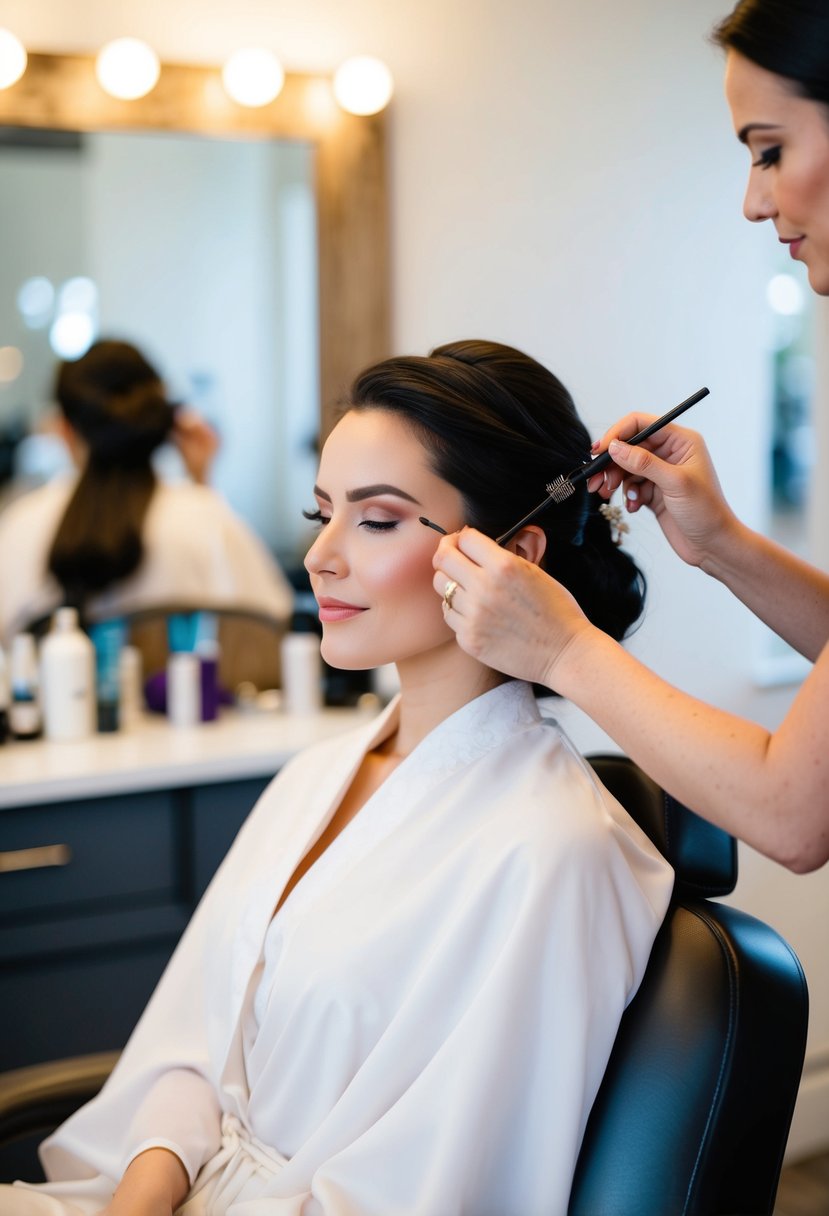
530,543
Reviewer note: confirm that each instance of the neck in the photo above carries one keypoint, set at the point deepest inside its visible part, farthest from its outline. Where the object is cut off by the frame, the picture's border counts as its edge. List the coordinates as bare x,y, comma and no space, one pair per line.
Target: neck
432,687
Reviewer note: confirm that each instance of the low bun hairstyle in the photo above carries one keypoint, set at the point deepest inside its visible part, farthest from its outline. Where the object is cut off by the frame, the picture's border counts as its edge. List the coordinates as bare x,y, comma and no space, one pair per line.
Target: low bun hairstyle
788,37
115,401
498,426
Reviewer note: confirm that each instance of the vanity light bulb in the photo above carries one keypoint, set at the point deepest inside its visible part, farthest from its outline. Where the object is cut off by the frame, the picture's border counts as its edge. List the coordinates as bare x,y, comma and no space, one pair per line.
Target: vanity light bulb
13,59
127,68
363,85
253,77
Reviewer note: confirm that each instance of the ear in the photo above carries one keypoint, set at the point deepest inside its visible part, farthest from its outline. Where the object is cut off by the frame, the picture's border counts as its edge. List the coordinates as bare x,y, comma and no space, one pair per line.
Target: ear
530,543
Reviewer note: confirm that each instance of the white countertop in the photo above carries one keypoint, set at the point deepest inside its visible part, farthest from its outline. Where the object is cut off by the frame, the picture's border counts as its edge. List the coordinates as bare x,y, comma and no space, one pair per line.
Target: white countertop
155,755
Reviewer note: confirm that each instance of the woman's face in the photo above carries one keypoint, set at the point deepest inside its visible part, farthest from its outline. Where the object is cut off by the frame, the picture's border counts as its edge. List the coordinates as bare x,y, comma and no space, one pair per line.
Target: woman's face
788,138
371,565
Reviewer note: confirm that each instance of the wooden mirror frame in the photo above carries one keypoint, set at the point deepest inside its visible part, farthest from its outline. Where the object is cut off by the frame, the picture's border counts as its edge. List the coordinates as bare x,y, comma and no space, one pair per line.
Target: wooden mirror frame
61,92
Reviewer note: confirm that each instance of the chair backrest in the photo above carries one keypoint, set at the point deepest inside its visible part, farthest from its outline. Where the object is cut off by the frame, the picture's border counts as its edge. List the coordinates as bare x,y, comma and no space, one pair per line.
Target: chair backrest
694,1110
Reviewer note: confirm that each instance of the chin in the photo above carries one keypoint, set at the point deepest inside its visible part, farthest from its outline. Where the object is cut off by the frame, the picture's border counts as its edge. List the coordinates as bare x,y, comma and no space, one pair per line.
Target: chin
349,658
819,278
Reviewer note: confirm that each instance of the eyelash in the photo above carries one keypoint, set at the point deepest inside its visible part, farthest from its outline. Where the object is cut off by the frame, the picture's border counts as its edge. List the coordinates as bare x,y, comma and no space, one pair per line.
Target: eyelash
371,525
766,159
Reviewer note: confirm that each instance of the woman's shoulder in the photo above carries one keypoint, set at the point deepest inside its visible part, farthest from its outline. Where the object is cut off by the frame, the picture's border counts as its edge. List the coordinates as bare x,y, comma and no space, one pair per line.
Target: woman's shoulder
546,796
43,503
190,498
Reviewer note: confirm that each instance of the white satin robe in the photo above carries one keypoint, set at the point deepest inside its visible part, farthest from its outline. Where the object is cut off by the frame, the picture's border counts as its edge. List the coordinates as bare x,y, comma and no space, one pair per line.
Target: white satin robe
422,1028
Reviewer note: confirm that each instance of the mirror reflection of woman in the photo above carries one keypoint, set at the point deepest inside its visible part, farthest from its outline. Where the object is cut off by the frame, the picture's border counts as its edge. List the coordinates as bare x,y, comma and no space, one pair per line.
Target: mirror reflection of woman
112,538
770,788
401,989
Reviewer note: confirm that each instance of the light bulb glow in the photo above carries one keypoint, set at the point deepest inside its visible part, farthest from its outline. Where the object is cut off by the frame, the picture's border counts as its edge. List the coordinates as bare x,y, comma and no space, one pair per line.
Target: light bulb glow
13,59
785,295
78,295
363,85
253,77
35,301
72,334
11,363
127,68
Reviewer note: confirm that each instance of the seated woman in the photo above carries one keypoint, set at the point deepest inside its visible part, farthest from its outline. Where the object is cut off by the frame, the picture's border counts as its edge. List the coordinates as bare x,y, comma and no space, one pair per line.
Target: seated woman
400,992
112,539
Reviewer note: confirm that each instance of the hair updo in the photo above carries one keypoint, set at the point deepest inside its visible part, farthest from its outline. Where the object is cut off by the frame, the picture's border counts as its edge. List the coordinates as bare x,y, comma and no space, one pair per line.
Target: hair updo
788,37
113,398
498,426
116,402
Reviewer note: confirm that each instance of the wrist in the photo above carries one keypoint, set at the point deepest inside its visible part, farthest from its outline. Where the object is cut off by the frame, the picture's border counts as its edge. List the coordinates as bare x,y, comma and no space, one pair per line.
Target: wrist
732,544
575,660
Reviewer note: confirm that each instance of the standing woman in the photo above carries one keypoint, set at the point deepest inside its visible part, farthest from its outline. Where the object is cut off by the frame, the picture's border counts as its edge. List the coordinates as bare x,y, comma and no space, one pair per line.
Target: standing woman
769,788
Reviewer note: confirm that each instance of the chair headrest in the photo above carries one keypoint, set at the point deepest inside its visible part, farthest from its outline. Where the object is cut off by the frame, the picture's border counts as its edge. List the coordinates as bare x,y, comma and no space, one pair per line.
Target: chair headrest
704,857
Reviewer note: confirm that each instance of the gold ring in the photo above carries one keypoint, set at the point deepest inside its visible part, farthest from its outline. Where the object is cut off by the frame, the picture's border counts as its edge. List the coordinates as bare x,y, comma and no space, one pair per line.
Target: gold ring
449,592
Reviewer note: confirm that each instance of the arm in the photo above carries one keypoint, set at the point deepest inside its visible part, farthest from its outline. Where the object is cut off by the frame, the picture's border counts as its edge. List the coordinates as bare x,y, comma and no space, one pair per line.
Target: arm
672,474
770,789
154,1184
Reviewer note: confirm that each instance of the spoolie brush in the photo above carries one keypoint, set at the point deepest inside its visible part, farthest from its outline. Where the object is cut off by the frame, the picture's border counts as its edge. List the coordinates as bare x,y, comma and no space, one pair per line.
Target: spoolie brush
563,486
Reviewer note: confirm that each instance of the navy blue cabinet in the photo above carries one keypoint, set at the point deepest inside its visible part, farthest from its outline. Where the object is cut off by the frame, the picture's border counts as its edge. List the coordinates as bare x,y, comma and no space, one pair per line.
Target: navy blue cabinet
94,895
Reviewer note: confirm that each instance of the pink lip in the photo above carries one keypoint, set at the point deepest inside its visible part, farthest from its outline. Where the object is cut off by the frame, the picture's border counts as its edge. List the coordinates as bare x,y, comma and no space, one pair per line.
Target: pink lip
337,610
794,244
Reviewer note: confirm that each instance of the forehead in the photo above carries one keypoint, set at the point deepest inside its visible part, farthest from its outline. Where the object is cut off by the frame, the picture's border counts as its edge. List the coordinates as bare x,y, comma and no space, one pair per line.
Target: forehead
757,95
374,445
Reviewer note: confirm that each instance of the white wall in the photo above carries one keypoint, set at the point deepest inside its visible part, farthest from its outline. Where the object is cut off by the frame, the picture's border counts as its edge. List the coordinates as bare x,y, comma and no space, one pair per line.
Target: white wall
564,177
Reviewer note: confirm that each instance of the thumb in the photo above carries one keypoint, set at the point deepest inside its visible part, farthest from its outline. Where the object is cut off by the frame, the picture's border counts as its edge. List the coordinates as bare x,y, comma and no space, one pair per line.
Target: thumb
641,463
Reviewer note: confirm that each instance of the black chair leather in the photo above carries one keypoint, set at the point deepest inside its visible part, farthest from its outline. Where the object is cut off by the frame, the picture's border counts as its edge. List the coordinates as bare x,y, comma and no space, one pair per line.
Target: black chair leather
694,1111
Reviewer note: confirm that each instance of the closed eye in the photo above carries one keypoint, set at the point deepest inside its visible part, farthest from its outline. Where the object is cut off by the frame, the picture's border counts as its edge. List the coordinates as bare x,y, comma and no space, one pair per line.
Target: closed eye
371,525
376,525
767,158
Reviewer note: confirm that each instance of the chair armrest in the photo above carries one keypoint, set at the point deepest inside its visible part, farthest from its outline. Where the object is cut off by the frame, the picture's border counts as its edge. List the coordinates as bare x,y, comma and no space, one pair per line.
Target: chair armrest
41,1096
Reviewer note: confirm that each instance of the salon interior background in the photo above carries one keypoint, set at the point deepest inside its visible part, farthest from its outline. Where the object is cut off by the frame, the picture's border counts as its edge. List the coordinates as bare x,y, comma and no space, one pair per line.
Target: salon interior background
563,176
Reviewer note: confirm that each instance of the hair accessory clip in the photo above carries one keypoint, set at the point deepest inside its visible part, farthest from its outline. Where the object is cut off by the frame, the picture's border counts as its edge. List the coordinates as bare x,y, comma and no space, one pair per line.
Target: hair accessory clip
616,521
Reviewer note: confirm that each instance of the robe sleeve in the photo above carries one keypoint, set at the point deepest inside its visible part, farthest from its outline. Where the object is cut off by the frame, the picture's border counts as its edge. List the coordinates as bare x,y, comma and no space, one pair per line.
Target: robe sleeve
164,1090
161,1091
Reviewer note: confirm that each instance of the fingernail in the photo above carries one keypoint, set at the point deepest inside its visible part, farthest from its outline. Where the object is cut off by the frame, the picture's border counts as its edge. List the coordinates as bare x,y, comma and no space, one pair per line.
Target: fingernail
614,446
594,447
632,496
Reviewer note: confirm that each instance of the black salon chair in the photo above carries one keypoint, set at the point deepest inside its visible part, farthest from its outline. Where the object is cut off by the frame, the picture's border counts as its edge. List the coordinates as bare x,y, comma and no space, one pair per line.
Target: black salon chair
694,1110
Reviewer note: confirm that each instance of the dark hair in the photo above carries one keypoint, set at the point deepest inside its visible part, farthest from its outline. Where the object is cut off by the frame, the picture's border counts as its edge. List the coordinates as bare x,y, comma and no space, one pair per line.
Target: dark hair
498,426
115,401
789,37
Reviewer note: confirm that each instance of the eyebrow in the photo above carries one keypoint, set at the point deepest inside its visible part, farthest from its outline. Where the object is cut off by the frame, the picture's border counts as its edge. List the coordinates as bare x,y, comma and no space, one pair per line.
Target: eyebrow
745,131
369,492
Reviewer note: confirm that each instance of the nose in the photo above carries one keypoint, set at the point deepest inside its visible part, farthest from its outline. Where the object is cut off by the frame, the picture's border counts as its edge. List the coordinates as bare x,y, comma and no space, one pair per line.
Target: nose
324,556
758,203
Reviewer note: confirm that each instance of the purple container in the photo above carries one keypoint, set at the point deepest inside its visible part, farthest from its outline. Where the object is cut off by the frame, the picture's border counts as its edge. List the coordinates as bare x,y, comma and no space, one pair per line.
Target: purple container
209,684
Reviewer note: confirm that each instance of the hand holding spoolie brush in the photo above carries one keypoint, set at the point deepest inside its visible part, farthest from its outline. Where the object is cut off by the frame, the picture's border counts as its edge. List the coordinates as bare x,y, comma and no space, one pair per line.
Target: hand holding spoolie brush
560,489
510,614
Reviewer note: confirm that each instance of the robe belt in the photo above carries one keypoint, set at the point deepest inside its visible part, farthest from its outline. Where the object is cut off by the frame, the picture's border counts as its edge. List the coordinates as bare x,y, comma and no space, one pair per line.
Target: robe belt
241,1170
236,1138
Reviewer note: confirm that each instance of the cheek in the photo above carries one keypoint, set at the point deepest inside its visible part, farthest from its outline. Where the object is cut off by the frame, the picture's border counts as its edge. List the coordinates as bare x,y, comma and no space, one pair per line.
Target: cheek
804,196
404,574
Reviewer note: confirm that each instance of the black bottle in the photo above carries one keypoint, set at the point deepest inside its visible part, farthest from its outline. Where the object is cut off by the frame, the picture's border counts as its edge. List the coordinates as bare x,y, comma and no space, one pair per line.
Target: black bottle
4,698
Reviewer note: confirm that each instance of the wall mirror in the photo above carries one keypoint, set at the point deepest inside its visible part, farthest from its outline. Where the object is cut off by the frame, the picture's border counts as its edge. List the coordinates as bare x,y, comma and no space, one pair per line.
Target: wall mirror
243,249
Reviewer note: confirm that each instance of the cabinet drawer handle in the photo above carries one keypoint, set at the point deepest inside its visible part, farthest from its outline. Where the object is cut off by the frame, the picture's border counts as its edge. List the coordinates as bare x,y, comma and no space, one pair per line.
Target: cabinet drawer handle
35,859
